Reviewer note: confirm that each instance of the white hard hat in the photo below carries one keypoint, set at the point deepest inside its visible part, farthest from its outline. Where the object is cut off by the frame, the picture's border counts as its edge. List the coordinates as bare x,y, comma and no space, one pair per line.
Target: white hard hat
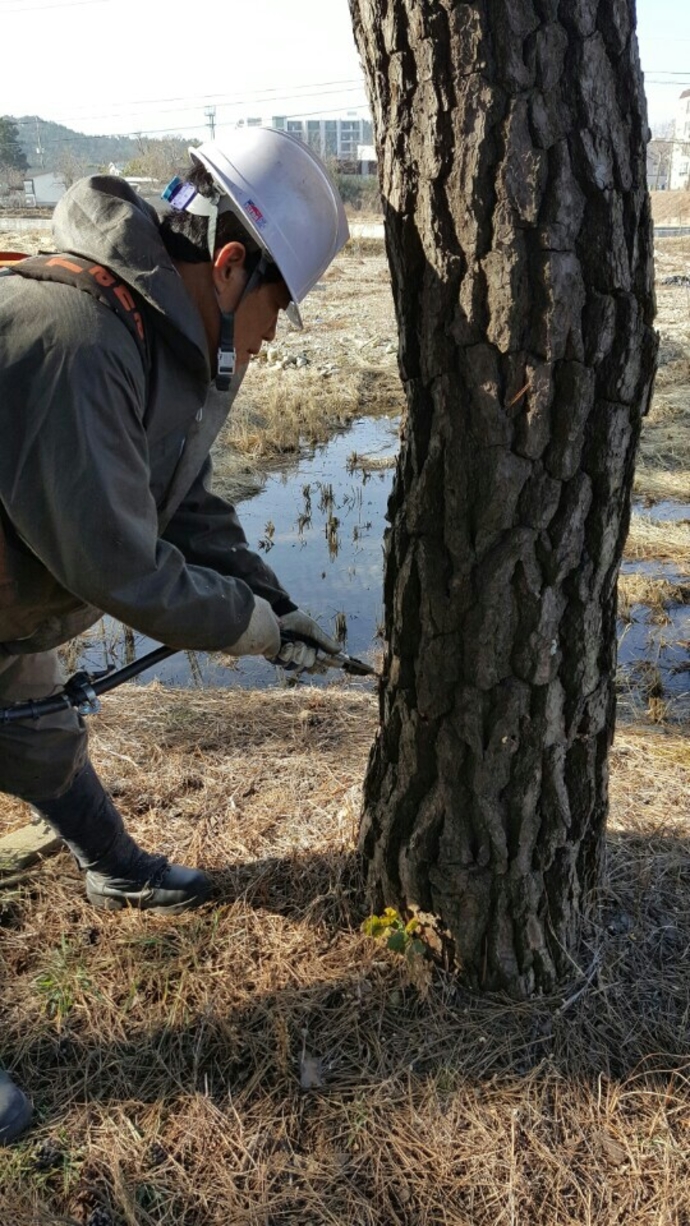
284,198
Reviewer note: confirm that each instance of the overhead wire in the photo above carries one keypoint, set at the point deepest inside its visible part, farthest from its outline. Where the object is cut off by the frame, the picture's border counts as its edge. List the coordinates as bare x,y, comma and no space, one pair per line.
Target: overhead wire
187,105
45,8
284,91
50,142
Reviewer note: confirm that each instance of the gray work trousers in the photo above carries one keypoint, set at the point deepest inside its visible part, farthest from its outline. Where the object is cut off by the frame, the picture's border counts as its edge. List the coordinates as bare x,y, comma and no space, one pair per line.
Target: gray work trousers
38,758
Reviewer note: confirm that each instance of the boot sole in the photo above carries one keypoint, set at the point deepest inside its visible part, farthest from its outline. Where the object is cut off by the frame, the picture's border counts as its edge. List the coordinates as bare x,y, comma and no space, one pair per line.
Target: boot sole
102,903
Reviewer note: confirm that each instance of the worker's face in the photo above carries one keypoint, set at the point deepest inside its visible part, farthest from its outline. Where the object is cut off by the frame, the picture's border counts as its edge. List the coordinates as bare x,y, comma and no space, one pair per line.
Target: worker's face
256,314
257,318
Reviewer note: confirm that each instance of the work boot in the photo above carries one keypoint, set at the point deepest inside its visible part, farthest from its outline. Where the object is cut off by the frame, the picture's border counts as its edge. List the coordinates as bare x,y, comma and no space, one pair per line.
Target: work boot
118,873
15,1110
169,887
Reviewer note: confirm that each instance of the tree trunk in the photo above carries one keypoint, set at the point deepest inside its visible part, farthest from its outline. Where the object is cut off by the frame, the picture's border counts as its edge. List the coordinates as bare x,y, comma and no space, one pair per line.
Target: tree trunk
511,139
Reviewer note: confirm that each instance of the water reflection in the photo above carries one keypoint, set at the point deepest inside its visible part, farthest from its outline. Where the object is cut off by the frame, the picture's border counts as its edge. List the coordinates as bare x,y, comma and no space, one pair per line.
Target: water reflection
666,511
323,526
322,522
654,665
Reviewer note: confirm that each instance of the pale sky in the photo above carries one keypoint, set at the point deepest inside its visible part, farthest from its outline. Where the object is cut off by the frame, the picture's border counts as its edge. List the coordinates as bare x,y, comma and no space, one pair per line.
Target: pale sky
132,66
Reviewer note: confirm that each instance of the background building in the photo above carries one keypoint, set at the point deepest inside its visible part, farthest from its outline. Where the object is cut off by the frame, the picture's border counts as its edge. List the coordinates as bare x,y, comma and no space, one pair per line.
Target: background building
330,138
44,189
680,157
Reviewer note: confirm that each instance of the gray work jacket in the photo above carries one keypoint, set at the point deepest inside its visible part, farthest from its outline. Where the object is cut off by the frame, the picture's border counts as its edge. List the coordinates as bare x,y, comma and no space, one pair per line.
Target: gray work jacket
105,503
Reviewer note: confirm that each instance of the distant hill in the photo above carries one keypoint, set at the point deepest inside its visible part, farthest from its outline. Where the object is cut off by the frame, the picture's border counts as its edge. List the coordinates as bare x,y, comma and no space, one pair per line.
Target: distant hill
47,145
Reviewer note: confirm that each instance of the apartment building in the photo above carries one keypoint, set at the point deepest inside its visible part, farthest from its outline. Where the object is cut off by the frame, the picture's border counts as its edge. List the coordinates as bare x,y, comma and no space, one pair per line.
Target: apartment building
330,138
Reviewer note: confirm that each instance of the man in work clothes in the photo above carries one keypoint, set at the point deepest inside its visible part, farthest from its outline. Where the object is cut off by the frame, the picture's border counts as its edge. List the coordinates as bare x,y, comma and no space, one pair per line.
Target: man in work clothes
106,427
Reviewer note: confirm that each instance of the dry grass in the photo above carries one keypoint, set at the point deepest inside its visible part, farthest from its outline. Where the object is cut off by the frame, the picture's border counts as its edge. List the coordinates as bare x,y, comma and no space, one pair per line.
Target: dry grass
663,540
671,208
659,595
663,464
167,1057
359,246
370,463
641,695
664,456
665,442
292,407
660,484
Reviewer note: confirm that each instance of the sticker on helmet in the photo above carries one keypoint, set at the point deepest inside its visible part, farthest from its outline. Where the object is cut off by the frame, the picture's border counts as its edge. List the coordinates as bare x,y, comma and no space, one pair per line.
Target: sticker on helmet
256,215
179,194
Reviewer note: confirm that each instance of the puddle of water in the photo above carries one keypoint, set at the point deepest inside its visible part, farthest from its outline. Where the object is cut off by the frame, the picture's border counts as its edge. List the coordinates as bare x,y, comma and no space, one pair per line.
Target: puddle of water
654,569
649,652
320,527
666,511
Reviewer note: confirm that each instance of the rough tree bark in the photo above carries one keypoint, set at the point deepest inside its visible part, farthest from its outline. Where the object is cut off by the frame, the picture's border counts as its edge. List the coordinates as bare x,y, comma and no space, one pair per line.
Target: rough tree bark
511,138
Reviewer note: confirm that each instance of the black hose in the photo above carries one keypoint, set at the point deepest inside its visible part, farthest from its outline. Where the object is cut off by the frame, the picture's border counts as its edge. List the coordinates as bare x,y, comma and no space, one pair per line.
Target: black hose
111,680
82,688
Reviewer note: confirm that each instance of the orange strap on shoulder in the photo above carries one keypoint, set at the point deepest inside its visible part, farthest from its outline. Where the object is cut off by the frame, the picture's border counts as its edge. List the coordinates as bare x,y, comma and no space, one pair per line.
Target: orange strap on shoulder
8,258
95,279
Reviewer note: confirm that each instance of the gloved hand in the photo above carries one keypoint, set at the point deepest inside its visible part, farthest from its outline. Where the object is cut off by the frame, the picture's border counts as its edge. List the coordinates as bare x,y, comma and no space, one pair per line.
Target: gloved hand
300,658
262,635
303,656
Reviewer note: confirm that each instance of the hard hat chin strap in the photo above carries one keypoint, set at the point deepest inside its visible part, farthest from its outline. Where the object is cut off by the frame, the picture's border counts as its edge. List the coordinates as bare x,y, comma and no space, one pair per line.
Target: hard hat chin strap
227,356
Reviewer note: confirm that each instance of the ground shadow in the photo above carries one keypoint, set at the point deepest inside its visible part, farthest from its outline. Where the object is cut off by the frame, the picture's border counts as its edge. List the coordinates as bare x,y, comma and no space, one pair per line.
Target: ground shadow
269,1015
631,997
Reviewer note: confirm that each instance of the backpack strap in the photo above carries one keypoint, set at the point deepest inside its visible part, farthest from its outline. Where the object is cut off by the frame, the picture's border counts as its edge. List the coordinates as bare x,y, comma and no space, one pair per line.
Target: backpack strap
9,258
94,279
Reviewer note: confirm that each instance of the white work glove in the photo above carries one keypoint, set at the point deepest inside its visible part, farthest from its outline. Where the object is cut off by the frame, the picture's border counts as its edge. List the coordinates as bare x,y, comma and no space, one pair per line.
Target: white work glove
302,656
262,635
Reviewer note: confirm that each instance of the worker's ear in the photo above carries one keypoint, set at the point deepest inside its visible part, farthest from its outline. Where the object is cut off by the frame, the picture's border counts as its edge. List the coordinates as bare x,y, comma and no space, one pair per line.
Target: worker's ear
229,275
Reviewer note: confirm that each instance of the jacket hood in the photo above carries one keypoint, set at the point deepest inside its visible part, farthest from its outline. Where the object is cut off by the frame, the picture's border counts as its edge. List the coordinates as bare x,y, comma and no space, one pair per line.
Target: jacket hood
103,219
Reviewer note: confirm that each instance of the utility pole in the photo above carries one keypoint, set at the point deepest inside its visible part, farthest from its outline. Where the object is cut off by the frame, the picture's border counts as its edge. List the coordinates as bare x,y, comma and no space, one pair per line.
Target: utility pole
39,146
210,113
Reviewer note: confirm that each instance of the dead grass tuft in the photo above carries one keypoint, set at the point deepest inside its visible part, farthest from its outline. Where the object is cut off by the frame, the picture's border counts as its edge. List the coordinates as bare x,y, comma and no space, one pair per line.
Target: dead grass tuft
659,595
306,406
664,454
662,484
168,1058
657,539
370,463
359,247
670,208
295,409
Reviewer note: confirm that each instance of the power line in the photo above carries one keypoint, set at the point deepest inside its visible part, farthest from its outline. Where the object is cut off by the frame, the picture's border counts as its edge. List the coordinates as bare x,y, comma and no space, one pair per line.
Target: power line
52,145
243,102
295,115
223,99
48,8
52,140
186,115
56,145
